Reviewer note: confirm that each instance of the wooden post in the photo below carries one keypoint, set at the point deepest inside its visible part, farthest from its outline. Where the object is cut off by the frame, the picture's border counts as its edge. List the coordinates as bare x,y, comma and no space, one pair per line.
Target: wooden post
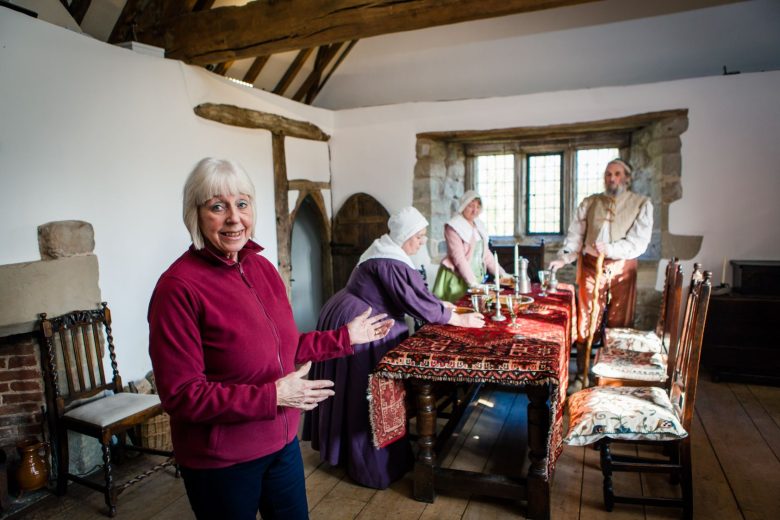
538,456
283,225
424,489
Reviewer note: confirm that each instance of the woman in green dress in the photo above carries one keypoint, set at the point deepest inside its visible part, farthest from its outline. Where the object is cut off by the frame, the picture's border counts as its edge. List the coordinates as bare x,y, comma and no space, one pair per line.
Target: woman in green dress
468,256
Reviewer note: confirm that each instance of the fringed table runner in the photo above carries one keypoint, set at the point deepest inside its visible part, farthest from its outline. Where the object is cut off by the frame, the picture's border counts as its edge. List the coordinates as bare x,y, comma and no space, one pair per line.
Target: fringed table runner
536,354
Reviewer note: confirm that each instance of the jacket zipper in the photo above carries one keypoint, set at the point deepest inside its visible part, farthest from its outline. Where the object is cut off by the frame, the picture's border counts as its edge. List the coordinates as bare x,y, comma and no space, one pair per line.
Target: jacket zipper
276,337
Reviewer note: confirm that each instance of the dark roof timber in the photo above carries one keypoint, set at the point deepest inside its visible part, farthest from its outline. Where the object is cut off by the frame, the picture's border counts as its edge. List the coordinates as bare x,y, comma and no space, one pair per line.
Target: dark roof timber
263,28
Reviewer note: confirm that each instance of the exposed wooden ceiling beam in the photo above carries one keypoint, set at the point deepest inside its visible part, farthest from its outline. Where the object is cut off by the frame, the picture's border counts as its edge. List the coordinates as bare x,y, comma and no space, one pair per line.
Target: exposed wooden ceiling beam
324,55
77,9
255,68
264,28
146,13
313,93
222,68
201,5
292,71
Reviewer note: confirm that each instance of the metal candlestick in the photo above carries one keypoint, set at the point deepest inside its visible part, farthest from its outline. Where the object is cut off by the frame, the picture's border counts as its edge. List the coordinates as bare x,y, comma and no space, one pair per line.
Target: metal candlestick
498,316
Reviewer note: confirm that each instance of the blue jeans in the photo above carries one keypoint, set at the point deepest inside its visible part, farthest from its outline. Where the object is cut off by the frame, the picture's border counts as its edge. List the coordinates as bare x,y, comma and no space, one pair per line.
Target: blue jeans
273,485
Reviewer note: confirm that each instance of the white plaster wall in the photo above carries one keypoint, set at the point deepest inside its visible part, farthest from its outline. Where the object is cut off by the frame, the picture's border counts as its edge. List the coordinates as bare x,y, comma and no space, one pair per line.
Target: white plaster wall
307,159
94,132
730,152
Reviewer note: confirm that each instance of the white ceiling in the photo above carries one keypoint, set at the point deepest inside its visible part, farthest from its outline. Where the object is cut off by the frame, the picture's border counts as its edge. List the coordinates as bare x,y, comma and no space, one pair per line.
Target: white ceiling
611,42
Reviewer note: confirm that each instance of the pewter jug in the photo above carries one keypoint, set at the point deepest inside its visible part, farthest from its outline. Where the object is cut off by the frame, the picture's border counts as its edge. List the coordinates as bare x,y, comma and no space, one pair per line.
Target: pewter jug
523,285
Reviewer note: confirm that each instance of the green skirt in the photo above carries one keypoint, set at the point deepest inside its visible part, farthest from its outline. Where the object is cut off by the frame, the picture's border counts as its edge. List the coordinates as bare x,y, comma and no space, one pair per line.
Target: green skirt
449,286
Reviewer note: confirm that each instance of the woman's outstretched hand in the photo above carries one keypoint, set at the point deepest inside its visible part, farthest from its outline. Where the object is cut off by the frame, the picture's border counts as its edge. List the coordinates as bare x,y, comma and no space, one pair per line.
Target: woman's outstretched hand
471,320
363,329
295,391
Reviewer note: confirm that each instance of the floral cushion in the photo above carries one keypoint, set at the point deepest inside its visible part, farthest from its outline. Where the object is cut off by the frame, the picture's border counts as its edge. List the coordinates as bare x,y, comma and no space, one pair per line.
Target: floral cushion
622,412
628,364
633,339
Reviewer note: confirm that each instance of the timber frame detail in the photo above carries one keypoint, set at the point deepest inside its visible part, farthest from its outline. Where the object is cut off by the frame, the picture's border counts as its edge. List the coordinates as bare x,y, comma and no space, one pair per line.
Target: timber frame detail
281,127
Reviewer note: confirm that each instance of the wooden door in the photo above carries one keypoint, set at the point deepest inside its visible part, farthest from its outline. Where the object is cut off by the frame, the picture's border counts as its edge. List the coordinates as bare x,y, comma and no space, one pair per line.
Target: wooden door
360,221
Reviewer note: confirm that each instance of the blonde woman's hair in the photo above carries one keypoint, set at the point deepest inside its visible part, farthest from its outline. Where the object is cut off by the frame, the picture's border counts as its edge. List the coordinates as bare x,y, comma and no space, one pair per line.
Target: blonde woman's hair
209,178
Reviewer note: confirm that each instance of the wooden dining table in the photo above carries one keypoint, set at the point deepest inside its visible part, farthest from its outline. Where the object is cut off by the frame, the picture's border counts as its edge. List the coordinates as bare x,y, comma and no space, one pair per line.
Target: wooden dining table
531,357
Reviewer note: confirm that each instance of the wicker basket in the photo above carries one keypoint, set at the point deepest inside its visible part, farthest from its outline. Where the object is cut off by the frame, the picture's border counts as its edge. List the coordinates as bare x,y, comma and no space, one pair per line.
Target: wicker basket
156,433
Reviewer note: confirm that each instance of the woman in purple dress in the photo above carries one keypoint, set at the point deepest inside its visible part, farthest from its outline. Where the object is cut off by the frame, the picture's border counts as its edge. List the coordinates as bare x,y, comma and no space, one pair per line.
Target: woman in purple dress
386,280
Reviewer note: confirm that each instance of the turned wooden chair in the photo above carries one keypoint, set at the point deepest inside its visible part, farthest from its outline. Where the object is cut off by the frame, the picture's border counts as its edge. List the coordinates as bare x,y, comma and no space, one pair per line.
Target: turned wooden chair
83,398
636,357
648,415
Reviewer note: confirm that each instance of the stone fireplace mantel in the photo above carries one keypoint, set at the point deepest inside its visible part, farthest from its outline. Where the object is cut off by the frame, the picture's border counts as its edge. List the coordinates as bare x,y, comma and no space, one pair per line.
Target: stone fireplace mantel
52,286
65,279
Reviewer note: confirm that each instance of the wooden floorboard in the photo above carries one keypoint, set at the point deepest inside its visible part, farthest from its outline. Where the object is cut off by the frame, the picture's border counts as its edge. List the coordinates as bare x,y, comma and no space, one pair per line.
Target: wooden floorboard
567,486
735,446
748,462
763,405
712,495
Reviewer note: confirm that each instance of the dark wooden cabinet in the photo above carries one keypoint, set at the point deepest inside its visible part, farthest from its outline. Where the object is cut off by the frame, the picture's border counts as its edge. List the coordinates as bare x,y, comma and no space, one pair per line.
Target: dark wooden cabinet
740,339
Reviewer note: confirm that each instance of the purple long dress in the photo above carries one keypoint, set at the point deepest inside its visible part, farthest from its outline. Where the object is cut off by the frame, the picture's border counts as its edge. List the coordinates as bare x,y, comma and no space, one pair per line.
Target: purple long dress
339,427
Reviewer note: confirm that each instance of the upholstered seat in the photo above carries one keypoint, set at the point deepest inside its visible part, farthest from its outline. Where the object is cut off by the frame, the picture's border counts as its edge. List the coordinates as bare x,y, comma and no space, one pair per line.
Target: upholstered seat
634,357
633,339
630,413
114,408
617,363
660,338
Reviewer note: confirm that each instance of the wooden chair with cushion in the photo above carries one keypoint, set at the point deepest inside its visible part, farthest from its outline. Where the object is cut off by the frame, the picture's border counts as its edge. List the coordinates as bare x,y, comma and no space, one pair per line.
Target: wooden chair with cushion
83,399
648,415
634,357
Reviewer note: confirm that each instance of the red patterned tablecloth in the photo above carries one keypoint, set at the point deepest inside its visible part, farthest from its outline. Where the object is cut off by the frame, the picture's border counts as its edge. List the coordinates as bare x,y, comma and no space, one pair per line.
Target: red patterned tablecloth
493,354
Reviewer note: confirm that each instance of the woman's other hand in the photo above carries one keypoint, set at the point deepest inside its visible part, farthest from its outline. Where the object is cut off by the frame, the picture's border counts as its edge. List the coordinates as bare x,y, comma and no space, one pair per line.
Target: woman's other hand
556,264
471,320
363,329
448,305
295,391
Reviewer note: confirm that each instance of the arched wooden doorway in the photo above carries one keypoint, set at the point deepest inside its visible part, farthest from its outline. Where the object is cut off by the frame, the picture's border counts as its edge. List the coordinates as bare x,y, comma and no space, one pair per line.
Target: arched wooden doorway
360,221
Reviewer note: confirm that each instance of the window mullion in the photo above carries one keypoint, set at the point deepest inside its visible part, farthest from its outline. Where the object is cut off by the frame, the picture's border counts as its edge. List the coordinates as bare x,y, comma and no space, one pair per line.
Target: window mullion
520,191
568,189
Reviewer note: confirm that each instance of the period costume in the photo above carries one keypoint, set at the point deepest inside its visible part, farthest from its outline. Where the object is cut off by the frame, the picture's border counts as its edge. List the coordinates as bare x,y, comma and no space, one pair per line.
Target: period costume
468,256
386,280
624,222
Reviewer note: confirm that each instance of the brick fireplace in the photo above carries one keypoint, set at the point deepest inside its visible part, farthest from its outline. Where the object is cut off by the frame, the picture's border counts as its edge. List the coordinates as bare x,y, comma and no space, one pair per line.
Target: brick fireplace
21,389
65,279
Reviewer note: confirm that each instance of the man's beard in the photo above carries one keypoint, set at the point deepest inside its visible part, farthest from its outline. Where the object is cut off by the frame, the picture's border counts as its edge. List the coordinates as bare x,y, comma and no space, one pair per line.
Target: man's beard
614,192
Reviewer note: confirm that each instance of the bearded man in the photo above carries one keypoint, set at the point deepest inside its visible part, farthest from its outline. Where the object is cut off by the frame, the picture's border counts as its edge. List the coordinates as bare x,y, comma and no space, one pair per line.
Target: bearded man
617,223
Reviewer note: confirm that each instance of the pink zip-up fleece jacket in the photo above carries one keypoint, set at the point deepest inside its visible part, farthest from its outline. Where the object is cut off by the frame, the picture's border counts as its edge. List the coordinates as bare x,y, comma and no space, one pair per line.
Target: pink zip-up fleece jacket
220,334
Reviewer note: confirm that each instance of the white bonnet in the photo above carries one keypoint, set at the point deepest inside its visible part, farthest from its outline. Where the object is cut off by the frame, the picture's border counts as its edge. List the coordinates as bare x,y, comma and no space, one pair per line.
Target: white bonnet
466,198
405,223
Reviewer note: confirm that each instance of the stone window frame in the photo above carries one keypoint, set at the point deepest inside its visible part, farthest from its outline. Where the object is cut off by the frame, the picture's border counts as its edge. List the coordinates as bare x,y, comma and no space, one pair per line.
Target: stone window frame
521,149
